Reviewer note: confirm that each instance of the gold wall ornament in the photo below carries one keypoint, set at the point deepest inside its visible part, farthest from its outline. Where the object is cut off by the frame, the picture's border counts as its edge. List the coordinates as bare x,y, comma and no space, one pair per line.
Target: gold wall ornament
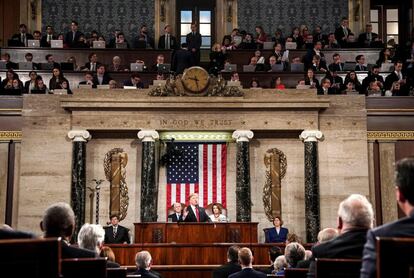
10,135
276,165
390,135
115,162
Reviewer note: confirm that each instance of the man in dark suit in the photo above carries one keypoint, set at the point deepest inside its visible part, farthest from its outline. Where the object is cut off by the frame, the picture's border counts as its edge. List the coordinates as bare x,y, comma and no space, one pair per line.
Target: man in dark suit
182,59
72,37
88,79
59,221
48,37
246,261
116,233
193,41
101,77
193,212
143,261
373,75
177,216
135,81
232,265
325,88
167,41
404,227
274,252
9,64
360,63
355,218
22,37
93,63
342,32
6,232
316,50
368,39
396,76
337,65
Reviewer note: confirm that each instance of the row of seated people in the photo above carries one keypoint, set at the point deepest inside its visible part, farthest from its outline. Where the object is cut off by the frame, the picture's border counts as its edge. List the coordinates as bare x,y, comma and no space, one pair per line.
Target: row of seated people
354,238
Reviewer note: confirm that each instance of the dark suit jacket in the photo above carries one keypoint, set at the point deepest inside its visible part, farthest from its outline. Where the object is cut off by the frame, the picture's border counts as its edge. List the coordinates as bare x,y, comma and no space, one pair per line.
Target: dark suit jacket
363,41
88,66
12,65
75,252
147,274
174,217
391,78
277,237
193,41
18,37
309,56
56,85
403,227
69,38
360,68
43,41
173,42
139,85
182,59
121,235
248,273
225,270
348,245
84,83
12,234
339,35
191,217
105,80
336,67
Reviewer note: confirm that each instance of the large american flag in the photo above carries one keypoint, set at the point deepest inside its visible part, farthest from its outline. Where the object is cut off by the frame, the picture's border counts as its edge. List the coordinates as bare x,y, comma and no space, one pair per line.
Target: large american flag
200,168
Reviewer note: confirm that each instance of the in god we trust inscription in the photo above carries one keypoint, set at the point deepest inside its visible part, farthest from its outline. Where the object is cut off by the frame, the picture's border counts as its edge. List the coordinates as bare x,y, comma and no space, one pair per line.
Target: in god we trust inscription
203,123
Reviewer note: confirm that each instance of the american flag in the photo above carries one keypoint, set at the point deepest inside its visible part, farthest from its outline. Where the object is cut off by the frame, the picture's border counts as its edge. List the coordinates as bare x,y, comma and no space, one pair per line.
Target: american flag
200,168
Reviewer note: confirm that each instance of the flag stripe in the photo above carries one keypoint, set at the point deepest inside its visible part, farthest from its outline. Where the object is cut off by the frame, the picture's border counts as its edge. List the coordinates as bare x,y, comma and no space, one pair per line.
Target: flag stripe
200,190
218,175
214,172
223,174
205,175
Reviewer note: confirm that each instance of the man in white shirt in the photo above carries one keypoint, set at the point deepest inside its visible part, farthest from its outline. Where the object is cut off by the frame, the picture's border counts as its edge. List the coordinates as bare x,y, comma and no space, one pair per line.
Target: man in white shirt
177,215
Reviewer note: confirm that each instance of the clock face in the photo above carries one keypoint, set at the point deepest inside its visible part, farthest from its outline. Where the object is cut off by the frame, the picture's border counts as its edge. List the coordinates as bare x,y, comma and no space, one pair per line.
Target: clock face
196,79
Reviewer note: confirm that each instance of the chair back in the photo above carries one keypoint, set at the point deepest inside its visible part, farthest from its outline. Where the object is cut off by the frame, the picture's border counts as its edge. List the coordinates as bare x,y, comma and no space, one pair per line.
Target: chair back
35,258
296,272
337,268
266,233
84,267
394,256
116,272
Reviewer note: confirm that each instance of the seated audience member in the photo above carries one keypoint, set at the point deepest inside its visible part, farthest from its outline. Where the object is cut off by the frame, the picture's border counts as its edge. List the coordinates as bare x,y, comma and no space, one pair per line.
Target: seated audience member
368,38
305,263
355,218
9,64
331,43
280,55
295,37
93,63
51,61
181,59
93,37
360,63
88,79
143,32
57,79
261,37
177,215
29,59
21,38
59,221
48,37
16,85
248,42
217,216
167,41
81,42
342,32
160,76
101,77
374,89
135,80
325,88
278,83
246,262
31,83
143,262
254,83
91,237
160,60
6,232
193,212
373,75
113,84
296,60
259,57
65,86
352,78
217,58
278,233
227,44
8,81
121,41
318,65
72,37
384,57
279,38
116,65
72,60
352,41
311,80
403,227
337,65
37,35
317,34
308,42
234,76
327,234
294,252
397,76
106,252
395,90
316,50
337,83
280,265
257,66
41,86
232,265
116,233
272,61
112,40
274,252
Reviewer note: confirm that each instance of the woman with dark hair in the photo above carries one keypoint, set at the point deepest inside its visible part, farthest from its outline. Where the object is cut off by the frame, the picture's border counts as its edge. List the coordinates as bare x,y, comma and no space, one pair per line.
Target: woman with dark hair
217,216
311,80
260,36
7,83
40,85
384,57
57,79
254,83
30,84
277,233
352,77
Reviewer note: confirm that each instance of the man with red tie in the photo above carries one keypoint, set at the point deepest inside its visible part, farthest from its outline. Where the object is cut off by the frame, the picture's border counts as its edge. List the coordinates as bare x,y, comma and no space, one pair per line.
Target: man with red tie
193,212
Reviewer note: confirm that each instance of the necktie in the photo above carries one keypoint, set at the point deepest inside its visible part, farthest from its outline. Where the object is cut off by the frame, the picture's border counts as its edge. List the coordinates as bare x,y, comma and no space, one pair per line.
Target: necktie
92,66
369,36
346,32
73,36
24,39
49,38
197,214
340,67
114,232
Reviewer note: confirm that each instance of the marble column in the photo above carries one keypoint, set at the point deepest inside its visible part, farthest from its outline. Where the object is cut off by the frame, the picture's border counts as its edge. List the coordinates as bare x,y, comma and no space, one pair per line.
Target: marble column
243,196
149,187
78,189
312,207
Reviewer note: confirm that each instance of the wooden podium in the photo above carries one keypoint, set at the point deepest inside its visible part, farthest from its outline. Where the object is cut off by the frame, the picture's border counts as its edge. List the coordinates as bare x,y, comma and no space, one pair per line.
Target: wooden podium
161,232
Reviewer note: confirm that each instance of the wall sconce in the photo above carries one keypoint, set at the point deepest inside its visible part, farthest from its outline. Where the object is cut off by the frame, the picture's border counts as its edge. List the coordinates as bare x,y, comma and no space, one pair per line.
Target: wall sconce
162,10
229,10
33,8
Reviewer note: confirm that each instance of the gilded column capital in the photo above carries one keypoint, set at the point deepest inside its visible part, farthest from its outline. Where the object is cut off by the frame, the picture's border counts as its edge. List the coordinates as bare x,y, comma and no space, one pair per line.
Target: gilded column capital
242,135
311,136
79,135
148,135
